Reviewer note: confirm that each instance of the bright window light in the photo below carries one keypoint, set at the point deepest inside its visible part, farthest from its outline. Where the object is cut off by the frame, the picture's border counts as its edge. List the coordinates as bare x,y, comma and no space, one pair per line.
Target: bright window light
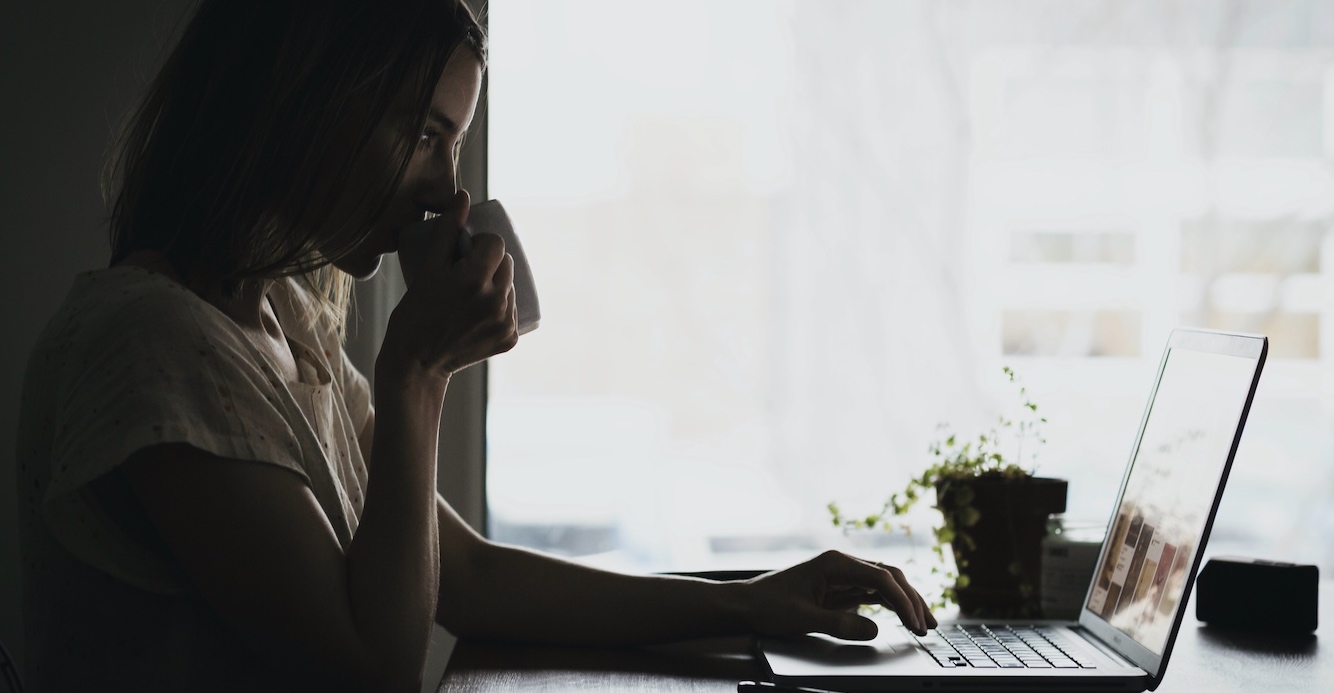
778,242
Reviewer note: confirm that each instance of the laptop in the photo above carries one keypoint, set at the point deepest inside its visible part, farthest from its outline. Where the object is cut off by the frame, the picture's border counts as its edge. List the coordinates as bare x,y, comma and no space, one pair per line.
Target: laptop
1137,597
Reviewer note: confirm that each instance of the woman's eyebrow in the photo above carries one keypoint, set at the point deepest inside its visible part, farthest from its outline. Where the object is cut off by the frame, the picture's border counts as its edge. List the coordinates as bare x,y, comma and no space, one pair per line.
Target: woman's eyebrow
443,120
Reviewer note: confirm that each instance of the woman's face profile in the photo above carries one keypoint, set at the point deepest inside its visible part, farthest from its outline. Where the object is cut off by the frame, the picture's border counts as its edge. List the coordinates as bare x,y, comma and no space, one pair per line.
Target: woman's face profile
430,181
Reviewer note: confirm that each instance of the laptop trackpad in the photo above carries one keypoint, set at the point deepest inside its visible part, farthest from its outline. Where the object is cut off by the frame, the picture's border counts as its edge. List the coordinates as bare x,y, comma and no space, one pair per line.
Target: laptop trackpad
892,644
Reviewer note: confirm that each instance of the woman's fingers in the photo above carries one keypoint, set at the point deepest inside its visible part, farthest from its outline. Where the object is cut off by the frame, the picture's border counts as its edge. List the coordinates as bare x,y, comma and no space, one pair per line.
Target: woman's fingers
445,234
931,621
463,313
847,598
822,595
487,275
886,581
918,605
512,304
486,254
503,278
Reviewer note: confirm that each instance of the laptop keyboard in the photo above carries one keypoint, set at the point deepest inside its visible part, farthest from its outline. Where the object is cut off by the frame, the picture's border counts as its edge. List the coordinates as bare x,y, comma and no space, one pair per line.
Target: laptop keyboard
1003,647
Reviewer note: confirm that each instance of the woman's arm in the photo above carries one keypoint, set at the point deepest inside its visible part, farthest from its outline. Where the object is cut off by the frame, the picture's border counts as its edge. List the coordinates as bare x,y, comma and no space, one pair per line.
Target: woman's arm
494,591
259,548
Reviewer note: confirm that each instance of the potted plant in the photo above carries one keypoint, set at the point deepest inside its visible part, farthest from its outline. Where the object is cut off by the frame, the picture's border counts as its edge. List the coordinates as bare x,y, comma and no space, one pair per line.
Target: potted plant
994,511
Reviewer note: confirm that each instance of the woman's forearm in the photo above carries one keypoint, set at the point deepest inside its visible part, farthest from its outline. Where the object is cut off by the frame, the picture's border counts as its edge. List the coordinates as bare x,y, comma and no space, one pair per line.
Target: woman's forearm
519,595
510,593
393,562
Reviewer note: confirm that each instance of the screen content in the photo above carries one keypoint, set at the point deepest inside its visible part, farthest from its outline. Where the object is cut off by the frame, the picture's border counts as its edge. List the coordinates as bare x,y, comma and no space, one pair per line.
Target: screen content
1159,523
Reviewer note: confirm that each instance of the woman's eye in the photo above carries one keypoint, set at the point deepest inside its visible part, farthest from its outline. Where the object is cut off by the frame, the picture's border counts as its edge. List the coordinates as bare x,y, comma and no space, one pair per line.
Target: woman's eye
428,137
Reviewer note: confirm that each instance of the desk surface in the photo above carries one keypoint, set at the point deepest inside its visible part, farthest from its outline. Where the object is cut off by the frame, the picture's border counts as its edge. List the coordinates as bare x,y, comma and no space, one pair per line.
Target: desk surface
1205,659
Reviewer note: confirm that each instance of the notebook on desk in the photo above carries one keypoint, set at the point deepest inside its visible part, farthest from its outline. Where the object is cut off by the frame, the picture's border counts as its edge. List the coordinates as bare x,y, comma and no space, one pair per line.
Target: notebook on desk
1134,606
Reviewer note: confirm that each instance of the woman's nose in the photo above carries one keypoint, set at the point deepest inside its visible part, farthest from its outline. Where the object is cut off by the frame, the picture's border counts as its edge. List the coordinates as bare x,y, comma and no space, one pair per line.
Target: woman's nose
450,177
437,191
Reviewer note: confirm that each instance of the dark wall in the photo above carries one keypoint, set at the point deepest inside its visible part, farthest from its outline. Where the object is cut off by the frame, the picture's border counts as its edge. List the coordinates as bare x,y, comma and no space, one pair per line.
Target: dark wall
69,70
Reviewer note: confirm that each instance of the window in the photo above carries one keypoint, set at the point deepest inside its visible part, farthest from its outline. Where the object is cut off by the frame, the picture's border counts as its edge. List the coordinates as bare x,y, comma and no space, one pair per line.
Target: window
778,242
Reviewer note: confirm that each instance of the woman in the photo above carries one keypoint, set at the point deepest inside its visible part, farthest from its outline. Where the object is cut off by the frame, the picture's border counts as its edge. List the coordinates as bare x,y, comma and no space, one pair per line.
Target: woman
210,501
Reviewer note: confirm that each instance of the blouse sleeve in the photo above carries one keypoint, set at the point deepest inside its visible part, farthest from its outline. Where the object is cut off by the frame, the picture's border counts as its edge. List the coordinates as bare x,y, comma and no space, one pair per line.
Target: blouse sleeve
156,370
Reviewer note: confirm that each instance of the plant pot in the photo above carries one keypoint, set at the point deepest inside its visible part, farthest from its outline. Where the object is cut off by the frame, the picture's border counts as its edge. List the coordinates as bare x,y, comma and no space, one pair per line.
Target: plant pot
1003,560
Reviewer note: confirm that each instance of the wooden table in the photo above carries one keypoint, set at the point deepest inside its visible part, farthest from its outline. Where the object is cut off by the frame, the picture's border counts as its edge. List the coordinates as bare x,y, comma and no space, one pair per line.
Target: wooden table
1206,659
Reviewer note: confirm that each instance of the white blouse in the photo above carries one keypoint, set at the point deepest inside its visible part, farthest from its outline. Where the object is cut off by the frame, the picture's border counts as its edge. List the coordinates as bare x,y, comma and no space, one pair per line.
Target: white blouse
130,360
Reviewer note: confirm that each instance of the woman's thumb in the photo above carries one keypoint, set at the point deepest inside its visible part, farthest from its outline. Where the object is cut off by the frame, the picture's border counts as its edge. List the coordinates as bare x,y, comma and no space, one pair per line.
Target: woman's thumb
847,625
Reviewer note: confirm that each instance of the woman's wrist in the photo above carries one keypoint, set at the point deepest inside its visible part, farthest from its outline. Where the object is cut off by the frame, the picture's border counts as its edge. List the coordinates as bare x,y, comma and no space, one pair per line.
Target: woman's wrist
736,603
401,360
408,378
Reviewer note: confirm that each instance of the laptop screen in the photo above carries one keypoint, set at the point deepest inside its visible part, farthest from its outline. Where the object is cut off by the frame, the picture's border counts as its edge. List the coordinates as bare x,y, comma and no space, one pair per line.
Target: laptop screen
1169,492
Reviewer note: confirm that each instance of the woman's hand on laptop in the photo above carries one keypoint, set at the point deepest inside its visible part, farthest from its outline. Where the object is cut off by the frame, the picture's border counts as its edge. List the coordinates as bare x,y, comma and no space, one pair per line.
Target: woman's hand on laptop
822,596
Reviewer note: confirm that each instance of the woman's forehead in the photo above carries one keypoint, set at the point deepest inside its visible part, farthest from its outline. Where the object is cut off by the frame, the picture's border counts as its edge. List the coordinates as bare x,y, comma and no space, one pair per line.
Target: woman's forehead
453,93
457,91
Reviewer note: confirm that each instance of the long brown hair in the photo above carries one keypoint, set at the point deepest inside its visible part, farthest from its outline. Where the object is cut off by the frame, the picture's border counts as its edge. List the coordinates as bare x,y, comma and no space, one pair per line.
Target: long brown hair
238,164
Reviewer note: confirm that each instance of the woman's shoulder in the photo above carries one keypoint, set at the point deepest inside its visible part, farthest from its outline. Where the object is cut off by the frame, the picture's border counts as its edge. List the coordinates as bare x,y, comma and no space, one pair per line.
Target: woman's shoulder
127,314
132,301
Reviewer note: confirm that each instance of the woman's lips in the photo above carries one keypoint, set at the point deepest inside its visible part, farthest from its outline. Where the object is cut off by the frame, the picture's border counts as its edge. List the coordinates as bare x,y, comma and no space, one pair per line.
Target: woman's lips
395,237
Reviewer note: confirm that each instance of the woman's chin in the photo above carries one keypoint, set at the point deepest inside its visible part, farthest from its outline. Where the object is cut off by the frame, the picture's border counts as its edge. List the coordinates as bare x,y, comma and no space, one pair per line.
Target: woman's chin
361,268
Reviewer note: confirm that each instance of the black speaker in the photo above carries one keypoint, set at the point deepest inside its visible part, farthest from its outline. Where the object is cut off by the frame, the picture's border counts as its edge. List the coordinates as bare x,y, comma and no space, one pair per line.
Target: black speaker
1258,595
